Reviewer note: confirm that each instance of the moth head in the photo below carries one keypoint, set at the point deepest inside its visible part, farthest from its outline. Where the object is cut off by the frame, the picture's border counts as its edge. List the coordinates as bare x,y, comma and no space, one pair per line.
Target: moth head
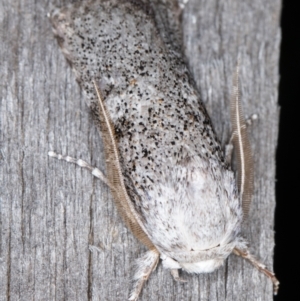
203,261
209,260
205,266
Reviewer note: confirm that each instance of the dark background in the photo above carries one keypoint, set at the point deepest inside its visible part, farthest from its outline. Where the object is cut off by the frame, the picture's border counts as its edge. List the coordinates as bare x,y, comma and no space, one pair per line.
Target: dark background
287,218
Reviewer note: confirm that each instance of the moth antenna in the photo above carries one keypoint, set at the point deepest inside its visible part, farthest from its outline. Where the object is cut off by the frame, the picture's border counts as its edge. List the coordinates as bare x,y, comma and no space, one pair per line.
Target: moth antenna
260,266
114,173
241,144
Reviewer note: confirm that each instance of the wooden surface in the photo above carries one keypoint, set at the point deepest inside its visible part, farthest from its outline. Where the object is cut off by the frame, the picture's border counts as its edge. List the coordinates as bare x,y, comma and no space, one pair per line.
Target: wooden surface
60,235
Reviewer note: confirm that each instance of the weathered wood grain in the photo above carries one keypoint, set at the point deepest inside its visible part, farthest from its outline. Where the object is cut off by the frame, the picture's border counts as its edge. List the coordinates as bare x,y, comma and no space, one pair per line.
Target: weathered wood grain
60,235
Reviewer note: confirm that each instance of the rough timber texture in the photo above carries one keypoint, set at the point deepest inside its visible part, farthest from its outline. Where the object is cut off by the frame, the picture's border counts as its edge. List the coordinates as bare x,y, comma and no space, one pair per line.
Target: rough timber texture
60,235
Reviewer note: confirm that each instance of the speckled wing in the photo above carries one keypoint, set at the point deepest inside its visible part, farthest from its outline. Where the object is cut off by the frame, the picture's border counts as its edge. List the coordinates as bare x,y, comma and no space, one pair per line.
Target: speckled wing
171,162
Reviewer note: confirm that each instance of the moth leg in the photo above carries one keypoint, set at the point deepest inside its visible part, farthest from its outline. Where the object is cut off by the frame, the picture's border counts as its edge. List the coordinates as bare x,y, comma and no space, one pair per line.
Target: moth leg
260,266
251,119
173,266
176,277
144,267
95,171
229,146
228,152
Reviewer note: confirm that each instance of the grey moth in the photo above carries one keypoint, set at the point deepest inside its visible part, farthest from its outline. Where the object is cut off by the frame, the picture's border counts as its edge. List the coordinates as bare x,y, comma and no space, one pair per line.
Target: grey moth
165,167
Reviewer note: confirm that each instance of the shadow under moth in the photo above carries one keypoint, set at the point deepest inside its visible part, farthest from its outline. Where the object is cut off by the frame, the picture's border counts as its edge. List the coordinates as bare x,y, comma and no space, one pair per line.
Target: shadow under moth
165,167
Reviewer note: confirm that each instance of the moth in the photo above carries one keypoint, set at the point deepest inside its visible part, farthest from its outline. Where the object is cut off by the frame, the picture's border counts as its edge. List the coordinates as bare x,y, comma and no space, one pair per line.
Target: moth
165,167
